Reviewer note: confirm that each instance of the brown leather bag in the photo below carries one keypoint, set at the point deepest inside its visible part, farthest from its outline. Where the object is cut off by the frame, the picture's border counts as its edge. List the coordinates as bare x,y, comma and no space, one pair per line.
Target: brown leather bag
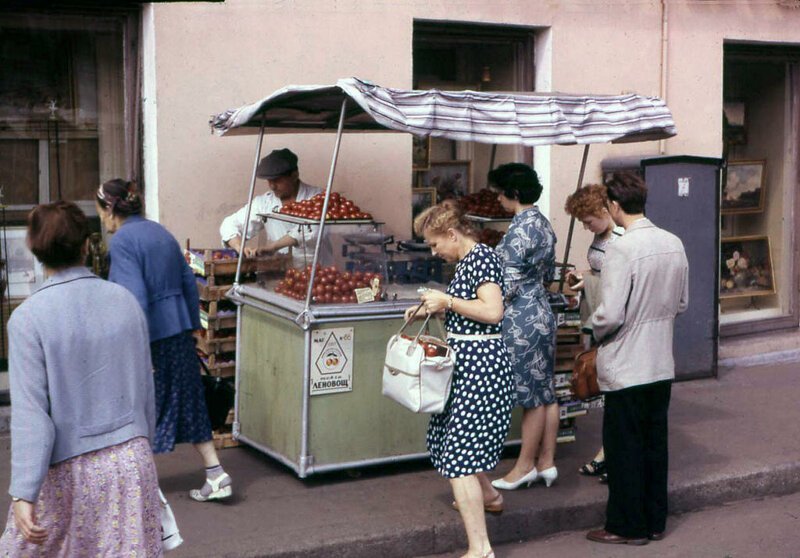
584,375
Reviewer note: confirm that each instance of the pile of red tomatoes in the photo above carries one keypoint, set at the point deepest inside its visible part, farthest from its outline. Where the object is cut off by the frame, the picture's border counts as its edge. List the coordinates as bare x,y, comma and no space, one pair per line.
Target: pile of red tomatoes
484,204
490,237
330,285
339,208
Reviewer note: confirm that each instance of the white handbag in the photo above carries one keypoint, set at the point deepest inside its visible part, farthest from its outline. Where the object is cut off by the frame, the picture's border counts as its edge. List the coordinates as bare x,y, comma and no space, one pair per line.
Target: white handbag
418,382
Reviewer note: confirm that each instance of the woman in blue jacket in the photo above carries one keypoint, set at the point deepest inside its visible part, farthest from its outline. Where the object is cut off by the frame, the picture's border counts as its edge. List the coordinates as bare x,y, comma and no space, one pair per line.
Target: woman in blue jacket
147,260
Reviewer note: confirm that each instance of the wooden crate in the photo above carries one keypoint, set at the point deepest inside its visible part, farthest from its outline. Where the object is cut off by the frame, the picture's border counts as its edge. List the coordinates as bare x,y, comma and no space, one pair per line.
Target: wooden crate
215,334
219,367
214,345
222,263
223,438
209,293
215,320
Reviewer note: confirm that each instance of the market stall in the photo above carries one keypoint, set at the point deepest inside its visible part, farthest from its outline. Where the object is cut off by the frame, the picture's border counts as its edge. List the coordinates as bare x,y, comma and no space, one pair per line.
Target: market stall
310,345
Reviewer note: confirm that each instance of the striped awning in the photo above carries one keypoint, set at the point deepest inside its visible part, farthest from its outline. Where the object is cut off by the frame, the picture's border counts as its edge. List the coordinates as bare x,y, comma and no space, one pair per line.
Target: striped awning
485,117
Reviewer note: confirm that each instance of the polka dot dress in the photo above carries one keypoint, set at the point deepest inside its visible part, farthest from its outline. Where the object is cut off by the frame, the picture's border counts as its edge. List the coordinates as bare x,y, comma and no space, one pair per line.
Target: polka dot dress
468,436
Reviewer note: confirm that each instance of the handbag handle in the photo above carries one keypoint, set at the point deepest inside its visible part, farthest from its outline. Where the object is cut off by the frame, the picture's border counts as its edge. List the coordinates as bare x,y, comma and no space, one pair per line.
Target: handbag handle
421,329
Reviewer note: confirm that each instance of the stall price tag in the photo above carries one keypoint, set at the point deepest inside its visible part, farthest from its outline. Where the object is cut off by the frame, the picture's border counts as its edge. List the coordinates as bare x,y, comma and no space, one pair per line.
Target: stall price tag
331,360
365,295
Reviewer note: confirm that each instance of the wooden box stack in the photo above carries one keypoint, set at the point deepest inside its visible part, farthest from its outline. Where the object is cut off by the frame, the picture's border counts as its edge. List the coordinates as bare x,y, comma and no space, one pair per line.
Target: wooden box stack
215,271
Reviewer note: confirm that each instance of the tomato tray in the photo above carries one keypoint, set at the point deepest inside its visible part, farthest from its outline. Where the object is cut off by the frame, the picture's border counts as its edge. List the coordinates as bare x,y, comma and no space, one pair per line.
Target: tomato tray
305,221
482,219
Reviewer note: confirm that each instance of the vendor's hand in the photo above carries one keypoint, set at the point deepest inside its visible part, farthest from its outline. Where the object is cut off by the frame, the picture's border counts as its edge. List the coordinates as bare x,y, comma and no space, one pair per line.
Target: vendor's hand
250,252
26,522
435,301
577,277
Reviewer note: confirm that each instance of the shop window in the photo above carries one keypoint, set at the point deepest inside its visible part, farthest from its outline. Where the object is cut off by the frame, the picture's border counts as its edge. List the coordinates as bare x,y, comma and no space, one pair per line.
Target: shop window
758,268
62,108
460,56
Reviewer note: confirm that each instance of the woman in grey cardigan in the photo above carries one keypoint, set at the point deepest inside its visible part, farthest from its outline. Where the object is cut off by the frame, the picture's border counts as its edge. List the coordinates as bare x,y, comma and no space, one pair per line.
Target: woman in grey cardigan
83,480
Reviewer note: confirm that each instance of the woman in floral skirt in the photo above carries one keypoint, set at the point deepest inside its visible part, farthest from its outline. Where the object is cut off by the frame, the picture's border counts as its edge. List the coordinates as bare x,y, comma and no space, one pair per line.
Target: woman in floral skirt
83,481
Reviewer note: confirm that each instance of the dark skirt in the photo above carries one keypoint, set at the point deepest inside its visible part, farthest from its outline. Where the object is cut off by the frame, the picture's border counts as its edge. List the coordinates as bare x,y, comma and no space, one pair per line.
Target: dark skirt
181,413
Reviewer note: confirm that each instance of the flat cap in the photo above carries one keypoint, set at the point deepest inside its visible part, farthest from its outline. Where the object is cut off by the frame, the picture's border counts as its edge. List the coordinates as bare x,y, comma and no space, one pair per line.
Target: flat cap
278,163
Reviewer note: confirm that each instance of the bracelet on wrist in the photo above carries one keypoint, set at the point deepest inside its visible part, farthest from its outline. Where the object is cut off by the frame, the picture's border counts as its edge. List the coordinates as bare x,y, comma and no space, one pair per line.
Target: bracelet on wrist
450,302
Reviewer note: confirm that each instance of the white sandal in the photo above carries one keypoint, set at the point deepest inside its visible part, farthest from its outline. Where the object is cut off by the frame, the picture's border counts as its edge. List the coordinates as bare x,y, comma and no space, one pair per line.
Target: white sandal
217,492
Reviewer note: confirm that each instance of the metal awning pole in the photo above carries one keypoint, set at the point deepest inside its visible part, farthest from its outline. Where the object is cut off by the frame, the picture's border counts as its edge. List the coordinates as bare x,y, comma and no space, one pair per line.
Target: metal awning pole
249,202
572,222
492,156
325,205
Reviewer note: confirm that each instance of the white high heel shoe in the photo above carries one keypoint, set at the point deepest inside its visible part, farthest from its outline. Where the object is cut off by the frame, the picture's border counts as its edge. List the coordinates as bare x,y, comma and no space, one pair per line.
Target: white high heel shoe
548,476
528,479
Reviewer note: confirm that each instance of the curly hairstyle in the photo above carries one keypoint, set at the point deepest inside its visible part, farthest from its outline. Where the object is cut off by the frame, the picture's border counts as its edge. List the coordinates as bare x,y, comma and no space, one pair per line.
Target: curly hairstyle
587,201
120,196
442,217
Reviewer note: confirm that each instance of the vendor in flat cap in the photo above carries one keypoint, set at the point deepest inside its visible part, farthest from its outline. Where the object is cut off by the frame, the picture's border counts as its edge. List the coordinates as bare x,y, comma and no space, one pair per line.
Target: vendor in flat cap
279,169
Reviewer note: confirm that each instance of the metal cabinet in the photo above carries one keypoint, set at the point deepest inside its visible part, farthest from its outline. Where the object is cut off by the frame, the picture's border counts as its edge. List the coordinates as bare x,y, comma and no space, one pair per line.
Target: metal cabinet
683,198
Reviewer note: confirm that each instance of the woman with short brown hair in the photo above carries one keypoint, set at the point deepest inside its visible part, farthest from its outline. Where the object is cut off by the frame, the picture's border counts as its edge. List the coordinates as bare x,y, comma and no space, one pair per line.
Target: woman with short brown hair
83,481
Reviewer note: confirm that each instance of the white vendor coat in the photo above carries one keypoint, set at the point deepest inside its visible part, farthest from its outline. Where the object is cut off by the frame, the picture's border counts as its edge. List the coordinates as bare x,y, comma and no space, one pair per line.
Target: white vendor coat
233,225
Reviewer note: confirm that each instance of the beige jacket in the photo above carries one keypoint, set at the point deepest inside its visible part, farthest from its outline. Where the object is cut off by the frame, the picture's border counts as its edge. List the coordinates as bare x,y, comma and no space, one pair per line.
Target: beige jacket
644,285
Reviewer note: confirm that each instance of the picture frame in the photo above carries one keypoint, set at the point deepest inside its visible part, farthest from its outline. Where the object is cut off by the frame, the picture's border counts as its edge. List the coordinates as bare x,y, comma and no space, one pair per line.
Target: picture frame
24,272
734,122
744,187
450,179
421,199
421,153
746,268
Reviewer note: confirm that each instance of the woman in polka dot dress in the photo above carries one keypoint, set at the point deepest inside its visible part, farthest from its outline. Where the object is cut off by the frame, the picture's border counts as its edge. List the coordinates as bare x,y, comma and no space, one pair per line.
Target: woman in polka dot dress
466,439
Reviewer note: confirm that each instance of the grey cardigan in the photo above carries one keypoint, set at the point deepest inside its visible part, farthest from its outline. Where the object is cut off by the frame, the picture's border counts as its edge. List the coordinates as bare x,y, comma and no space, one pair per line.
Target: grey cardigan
80,374
644,285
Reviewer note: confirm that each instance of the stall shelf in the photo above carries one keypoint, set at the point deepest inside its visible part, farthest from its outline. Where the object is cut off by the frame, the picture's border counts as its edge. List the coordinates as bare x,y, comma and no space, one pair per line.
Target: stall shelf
309,375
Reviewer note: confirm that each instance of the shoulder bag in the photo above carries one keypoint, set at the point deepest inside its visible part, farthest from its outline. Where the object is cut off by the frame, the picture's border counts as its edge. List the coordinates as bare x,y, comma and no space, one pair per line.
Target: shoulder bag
584,375
418,371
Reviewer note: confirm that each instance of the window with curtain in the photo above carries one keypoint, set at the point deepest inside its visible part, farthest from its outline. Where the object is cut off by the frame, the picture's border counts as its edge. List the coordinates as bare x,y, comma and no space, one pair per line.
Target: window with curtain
62,108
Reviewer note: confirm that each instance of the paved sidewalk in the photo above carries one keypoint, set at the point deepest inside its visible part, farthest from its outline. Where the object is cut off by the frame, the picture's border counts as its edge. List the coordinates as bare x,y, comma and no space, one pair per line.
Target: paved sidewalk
733,438
719,532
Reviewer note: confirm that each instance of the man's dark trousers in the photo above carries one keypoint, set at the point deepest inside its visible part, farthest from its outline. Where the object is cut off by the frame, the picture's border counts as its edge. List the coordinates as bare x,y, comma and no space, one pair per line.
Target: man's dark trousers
635,442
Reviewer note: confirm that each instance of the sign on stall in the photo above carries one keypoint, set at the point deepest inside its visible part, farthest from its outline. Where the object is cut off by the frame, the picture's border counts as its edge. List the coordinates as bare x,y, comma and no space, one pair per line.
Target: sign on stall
331,360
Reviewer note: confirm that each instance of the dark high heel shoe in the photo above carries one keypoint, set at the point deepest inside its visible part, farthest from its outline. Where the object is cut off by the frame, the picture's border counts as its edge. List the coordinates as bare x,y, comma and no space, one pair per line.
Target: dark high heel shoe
593,468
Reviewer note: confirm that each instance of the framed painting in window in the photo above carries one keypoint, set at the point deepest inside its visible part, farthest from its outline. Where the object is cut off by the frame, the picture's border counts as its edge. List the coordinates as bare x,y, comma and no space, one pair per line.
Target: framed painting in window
746,267
744,188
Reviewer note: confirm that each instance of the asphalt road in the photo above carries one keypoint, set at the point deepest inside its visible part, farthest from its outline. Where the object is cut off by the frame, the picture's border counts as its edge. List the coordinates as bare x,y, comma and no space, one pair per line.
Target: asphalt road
760,528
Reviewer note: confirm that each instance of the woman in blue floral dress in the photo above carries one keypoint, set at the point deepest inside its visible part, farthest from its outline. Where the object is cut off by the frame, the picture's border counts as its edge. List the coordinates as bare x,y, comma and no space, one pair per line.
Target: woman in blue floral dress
529,326
466,439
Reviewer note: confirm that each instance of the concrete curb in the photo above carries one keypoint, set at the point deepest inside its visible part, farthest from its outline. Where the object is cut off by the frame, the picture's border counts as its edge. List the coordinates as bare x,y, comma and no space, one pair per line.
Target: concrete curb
529,523
762,359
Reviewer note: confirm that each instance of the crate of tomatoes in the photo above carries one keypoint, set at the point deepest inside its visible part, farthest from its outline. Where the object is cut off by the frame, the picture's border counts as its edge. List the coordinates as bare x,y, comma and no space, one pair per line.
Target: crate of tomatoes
213,263
339,209
331,286
484,203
